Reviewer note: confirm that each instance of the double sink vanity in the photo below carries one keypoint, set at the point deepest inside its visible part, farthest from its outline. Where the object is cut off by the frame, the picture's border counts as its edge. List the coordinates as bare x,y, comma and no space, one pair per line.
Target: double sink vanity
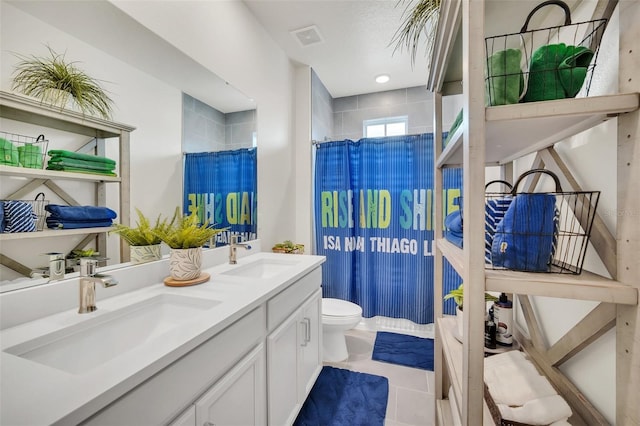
243,348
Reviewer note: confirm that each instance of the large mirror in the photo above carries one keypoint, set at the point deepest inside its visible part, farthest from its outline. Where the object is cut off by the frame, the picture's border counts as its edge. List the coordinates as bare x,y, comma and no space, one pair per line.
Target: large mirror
109,40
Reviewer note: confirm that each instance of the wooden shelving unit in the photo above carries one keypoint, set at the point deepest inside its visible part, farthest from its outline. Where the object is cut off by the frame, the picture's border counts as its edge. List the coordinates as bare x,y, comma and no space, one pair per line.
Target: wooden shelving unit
499,136
30,111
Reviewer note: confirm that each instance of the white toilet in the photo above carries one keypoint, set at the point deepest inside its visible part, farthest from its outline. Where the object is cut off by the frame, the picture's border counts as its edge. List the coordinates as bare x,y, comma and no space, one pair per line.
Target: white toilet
338,316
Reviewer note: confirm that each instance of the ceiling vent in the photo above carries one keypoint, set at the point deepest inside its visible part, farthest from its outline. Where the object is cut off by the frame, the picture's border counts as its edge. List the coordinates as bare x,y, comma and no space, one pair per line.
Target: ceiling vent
307,36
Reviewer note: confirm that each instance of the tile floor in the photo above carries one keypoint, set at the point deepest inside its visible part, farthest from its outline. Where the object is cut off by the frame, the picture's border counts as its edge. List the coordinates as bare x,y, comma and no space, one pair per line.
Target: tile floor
411,391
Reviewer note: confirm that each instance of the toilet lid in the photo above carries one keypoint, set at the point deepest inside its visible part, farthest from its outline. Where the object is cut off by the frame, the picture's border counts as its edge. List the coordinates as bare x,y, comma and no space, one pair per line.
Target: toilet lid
339,308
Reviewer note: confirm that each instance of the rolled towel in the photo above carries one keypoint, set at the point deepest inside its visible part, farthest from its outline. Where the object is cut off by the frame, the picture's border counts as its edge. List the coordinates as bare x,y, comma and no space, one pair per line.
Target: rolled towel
3,222
30,156
79,156
505,82
511,360
8,153
80,213
541,411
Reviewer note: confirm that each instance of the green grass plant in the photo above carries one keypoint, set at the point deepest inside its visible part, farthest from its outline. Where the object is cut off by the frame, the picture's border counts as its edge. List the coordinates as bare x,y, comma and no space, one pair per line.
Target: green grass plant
143,234
185,232
36,76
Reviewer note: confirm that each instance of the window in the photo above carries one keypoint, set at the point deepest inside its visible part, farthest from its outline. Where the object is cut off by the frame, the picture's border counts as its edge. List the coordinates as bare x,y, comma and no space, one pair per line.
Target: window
390,126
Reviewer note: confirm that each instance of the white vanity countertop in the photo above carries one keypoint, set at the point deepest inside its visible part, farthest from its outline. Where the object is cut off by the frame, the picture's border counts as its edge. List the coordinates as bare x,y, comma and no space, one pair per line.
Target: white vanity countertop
36,394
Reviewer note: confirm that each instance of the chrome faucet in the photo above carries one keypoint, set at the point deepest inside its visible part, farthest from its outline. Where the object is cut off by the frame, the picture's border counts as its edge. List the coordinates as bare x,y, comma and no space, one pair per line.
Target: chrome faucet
233,246
88,280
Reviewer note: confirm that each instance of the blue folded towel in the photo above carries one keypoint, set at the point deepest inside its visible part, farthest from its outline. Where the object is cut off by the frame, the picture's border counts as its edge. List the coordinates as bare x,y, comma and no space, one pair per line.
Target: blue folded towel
453,223
80,213
53,223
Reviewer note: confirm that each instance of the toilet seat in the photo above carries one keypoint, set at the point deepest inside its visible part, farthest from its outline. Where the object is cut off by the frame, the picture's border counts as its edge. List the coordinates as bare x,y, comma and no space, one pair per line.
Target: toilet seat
340,308
337,312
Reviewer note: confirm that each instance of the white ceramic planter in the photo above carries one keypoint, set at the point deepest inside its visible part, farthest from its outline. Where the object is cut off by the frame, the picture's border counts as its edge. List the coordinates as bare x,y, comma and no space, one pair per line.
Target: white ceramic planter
144,254
460,321
185,264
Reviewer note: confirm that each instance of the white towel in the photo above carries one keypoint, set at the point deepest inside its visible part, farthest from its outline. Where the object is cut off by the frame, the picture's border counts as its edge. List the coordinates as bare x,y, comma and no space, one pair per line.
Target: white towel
563,422
541,411
515,389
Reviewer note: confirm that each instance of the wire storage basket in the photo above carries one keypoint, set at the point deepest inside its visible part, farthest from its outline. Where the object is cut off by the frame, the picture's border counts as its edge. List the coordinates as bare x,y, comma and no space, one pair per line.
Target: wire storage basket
23,151
543,64
24,215
541,231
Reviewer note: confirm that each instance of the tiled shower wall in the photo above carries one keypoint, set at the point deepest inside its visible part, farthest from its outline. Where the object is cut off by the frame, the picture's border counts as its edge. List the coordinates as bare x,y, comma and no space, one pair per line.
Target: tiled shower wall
350,112
321,110
206,129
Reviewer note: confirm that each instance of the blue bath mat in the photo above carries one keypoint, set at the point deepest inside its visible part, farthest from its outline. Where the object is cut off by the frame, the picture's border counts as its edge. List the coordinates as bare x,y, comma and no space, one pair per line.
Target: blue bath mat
342,397
402,349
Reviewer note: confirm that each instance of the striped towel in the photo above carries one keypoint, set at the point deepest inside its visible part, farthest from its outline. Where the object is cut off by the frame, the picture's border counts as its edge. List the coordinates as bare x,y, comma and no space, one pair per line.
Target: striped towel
19,216
495,208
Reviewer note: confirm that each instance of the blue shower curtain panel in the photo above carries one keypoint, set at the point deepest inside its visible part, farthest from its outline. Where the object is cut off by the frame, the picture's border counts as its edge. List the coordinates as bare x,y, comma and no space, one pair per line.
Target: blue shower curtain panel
374,223
221,187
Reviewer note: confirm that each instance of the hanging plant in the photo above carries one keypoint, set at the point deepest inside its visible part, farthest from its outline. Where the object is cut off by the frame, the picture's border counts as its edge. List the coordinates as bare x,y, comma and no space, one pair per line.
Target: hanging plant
52,79
419,19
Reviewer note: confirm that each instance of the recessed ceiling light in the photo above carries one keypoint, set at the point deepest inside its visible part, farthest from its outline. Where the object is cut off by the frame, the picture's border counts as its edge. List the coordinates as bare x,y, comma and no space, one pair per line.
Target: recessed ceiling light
383,78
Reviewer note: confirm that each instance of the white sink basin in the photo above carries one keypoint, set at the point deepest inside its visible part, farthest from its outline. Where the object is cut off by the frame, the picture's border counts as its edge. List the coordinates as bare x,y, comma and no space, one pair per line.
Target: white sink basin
262,268
87,345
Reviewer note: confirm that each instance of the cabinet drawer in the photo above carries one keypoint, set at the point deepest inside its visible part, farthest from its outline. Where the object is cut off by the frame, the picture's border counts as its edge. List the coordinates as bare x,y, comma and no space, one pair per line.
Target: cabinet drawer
169,392
284,303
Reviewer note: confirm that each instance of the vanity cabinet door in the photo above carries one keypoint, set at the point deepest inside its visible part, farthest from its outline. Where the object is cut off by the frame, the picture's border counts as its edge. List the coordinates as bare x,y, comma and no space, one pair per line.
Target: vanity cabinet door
282,360
187,418
311,359
239,398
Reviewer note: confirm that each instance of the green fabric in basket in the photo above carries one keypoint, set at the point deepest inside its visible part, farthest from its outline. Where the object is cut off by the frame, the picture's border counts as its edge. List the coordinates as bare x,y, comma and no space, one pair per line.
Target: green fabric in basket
8,153
505,83
30,156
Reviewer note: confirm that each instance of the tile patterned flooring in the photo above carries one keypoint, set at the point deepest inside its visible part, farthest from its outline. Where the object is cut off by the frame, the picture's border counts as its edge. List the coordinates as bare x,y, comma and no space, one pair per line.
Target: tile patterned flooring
411,391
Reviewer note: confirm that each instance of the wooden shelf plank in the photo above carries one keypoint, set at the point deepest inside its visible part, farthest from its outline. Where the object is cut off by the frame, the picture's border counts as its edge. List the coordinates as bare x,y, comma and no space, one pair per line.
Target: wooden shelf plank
586,286
517,130
30,110
24,172
453,354
53,233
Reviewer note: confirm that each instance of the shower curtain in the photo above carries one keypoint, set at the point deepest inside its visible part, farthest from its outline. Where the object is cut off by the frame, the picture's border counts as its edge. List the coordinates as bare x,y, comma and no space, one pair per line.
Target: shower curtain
221,187
374,223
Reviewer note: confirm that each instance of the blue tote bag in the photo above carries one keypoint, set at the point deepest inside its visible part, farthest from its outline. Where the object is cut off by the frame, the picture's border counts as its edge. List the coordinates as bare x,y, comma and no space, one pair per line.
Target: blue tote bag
525,239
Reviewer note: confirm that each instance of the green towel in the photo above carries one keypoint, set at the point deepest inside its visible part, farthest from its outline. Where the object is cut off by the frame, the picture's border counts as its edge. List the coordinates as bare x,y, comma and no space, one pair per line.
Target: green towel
89,165
456,123
79,170
8,153
30,156
505,82
557,71
78,156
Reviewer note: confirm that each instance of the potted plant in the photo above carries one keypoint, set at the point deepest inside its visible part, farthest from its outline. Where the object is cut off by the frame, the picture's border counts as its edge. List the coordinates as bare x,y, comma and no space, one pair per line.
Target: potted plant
457,295
54,80
419,19
143,239
185,236
72,260
288,247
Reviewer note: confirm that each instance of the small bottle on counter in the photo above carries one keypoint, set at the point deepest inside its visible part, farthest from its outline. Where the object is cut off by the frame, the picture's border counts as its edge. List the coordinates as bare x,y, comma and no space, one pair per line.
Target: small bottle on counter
490,332
503,317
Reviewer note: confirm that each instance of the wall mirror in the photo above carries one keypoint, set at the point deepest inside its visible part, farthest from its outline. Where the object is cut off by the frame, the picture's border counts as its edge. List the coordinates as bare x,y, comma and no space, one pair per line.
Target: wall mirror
137,46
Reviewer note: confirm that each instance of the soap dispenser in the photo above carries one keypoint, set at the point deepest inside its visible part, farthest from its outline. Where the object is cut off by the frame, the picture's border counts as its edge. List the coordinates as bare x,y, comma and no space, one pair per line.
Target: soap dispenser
503,317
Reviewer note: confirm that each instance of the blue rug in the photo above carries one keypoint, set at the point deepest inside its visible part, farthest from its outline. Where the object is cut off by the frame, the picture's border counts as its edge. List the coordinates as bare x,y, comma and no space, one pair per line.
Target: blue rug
410,351
342,397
